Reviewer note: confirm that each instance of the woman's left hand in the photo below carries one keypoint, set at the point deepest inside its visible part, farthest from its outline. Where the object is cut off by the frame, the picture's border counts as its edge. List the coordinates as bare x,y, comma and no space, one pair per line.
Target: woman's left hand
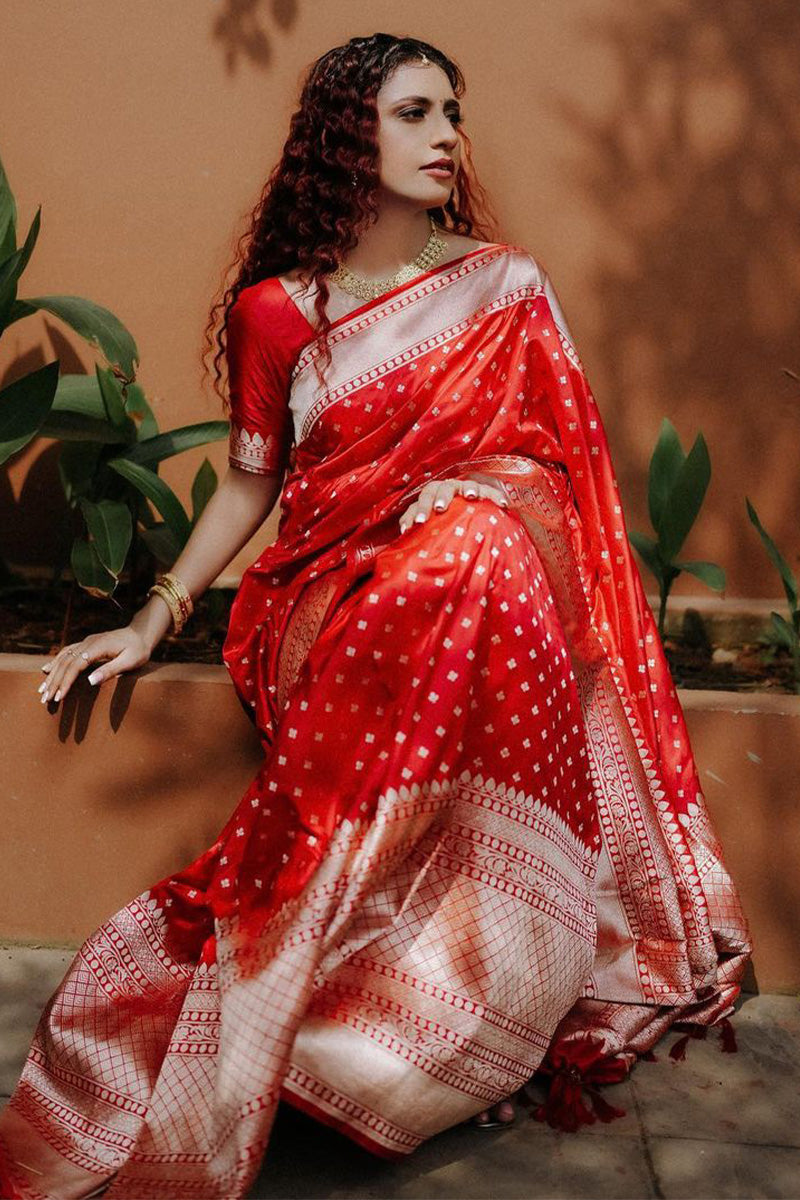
438,493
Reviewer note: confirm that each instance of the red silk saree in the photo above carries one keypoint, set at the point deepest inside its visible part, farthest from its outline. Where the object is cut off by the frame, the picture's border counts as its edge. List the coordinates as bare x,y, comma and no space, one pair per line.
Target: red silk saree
477,847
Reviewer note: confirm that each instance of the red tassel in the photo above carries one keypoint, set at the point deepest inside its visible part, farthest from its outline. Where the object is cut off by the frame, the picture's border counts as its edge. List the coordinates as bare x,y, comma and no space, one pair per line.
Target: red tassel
678,1051
727,1037
564,1108
605,1111
575,1067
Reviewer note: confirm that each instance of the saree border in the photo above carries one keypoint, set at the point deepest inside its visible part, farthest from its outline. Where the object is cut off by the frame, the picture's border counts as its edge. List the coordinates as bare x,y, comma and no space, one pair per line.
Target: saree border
413,352
427,283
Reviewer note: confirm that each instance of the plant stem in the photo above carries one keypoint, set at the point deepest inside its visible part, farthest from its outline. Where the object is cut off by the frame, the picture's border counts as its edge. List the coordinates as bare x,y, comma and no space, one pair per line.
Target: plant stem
68,613
662,610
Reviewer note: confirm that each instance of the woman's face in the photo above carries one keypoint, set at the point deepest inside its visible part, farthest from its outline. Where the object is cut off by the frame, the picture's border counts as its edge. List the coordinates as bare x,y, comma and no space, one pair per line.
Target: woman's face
418,123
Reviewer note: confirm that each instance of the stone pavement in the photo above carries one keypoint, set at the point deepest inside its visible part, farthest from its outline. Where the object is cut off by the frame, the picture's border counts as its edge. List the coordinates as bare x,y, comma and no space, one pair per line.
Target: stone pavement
713,1126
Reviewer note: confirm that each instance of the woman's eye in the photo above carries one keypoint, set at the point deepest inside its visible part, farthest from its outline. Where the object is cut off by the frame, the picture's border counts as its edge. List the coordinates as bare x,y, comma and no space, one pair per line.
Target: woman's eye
456,118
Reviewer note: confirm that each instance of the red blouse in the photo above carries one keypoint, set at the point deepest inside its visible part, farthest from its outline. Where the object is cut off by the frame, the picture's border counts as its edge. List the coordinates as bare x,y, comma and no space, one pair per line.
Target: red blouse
265,334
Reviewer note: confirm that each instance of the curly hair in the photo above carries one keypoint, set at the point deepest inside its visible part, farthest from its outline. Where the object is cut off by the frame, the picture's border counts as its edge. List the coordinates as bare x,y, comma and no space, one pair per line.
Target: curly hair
309,213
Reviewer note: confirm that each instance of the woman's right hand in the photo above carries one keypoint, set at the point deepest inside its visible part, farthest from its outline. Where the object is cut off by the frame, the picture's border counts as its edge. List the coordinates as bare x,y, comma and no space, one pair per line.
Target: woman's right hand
118,650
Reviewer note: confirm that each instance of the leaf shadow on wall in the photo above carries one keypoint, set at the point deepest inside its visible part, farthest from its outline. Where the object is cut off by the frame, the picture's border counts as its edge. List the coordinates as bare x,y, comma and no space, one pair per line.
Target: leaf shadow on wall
694,171
245,30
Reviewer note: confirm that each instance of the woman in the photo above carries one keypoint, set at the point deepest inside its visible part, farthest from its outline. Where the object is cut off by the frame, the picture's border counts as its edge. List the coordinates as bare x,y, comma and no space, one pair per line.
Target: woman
477,846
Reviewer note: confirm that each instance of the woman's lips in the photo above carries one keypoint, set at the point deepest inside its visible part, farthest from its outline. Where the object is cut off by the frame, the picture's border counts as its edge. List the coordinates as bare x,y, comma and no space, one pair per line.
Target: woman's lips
440,172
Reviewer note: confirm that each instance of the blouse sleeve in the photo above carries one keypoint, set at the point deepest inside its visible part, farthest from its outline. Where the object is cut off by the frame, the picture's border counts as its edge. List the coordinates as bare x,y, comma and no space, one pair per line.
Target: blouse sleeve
261,427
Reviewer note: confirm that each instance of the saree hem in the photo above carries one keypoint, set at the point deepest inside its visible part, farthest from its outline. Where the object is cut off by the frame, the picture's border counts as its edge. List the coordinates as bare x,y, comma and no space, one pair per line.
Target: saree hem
303,1104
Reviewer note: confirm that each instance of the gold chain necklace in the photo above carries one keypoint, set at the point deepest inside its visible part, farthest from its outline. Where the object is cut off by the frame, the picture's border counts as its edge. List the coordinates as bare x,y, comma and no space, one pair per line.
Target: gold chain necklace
369,289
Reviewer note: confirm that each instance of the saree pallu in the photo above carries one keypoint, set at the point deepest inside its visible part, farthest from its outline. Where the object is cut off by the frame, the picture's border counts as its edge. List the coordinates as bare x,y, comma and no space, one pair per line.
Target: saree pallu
477,848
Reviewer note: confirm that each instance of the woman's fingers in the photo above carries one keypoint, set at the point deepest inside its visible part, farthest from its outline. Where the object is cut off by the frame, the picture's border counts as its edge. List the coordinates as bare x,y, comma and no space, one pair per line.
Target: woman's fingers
444,491
70,661
490,491
71,658
415,509
437,495
124,661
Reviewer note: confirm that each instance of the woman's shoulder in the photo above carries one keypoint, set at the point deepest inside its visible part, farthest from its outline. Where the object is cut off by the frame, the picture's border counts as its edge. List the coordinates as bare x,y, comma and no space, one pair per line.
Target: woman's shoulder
515,250
267,308
258,299
264,318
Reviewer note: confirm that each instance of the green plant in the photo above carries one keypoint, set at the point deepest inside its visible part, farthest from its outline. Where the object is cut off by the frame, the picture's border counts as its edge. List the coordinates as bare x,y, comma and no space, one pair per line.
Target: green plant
111,447
781,632
677,485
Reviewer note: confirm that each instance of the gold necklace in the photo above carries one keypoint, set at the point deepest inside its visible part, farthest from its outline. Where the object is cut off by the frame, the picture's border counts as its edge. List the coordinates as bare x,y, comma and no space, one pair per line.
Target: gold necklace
370,289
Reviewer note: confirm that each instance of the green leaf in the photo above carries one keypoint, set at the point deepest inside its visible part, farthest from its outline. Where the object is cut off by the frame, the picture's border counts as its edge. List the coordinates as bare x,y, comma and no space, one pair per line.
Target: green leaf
80,411
113,402
110,526
786,573
203,488
162,543
137,407
89,571
74,427
77,466
157,492
187,437
685,499
12,268
18,310
97,325
144,513
8,217
24,406
665,465
82,396
707,572
785,635
648,551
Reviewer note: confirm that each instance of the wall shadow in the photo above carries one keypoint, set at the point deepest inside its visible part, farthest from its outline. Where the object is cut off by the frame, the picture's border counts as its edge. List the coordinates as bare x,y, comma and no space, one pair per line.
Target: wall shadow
694,169
245,30
37,525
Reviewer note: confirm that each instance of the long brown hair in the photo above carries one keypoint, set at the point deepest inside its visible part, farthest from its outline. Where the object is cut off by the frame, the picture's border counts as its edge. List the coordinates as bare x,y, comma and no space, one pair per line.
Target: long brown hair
310,213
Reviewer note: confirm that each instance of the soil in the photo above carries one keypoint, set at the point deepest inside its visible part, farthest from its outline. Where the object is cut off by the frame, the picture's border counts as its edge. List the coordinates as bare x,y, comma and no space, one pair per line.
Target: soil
37,619
751,670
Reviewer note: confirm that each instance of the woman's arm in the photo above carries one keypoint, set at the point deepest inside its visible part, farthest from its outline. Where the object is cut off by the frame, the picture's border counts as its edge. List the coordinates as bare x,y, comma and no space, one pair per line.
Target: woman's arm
241,503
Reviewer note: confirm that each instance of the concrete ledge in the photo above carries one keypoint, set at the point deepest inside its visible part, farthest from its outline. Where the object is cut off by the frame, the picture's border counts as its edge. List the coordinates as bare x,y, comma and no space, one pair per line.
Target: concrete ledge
112,791
132,781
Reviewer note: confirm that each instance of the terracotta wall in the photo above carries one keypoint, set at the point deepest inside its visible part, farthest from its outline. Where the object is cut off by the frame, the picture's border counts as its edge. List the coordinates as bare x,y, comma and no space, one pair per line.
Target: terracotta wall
647,154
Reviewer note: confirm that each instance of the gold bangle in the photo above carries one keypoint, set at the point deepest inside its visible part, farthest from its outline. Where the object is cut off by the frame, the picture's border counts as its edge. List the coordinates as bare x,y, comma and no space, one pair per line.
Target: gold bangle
174,611
181,593
176,597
